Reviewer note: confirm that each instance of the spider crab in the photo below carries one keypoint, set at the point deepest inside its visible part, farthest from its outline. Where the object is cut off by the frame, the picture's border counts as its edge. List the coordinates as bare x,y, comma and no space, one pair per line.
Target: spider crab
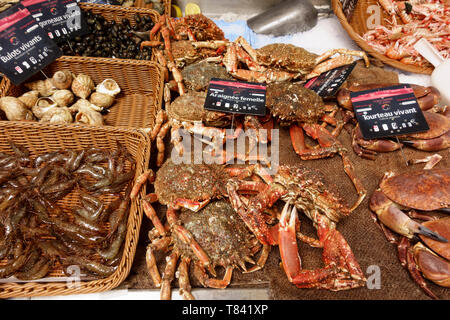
281,62
302,109
435,139
197,120
305,190
195,236
427,191
184,31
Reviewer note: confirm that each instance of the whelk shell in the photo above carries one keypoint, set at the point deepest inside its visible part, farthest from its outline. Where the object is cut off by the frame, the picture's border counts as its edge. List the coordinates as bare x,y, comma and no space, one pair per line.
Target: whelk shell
58,115
82,86
86,113
101,100
63,98
62,79
29,98
45,87
108,86
15,109
43,105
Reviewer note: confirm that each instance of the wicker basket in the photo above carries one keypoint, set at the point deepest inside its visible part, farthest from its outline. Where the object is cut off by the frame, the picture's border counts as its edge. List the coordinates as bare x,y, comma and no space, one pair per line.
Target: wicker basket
167,6
117,13
141,84
356,26
39,138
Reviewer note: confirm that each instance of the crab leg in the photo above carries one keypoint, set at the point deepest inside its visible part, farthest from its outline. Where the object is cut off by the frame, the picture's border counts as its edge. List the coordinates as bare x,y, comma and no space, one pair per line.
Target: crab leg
406,256
191,204
250,213
187,238
152,267
329,147
337,256
261,261
183,279
147,175
168,276
436,144
201,275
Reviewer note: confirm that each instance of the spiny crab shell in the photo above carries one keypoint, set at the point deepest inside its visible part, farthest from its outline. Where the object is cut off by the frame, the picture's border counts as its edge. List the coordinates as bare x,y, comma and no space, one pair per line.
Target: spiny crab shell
287,56
292,102
190,107
189,181
307,187
220,232
197,76
422,190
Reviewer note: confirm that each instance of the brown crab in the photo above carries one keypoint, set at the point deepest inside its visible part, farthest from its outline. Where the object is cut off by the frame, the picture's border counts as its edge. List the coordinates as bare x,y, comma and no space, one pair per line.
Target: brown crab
424,190
218,230
306,190
436,138
302,109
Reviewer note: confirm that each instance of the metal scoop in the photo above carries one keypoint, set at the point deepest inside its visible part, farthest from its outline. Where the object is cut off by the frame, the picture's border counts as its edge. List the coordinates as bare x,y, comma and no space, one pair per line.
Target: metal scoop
288,17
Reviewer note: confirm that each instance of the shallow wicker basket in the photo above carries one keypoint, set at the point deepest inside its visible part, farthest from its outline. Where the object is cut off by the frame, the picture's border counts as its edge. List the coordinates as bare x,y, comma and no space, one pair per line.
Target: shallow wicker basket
39,138
142,4
141,84
356,26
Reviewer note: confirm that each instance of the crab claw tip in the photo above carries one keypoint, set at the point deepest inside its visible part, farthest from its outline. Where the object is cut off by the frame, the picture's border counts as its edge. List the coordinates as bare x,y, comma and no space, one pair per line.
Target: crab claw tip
431,234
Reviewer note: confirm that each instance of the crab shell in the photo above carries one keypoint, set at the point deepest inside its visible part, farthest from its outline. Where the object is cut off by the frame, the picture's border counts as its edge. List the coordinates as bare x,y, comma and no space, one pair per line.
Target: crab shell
435,264
287,56
195,182
425,190
220,232
292,102
195,111
438,123
311,191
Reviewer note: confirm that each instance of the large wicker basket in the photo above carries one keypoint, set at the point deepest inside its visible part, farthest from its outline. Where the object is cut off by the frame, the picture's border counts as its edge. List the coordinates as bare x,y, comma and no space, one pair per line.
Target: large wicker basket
167,5
141,84
39,138
356,26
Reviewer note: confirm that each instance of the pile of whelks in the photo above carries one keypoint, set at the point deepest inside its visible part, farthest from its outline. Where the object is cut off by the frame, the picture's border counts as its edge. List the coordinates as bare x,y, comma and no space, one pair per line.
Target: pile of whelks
63,98
223,216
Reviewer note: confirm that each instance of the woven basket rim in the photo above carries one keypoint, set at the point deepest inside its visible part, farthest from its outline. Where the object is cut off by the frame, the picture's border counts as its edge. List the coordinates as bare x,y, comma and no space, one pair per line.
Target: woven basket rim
337,8
31,289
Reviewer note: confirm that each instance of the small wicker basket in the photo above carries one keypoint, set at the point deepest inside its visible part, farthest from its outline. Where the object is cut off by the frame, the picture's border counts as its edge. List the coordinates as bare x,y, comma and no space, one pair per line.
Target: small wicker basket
355,23
167,6
141,84
39,138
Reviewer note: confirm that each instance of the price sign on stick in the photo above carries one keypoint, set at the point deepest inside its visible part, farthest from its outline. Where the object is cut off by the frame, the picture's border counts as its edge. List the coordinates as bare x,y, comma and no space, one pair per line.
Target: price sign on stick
236,97
328,83
25,47
60,18
387,112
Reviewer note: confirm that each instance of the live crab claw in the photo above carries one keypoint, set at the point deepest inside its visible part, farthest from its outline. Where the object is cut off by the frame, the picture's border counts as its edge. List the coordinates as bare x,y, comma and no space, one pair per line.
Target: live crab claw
395,219
431,234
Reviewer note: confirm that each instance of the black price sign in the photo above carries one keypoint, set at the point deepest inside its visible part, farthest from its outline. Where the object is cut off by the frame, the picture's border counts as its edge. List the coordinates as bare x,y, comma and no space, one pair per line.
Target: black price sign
25,47
60,18
328,83
389,111
236,97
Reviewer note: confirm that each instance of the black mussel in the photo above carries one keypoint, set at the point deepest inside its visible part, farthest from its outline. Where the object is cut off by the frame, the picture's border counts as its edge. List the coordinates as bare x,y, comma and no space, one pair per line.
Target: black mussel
125,22
137,18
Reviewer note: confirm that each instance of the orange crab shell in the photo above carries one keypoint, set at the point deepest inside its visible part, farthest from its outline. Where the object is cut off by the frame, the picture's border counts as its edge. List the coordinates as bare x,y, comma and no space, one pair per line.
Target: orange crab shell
423,190
441,226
